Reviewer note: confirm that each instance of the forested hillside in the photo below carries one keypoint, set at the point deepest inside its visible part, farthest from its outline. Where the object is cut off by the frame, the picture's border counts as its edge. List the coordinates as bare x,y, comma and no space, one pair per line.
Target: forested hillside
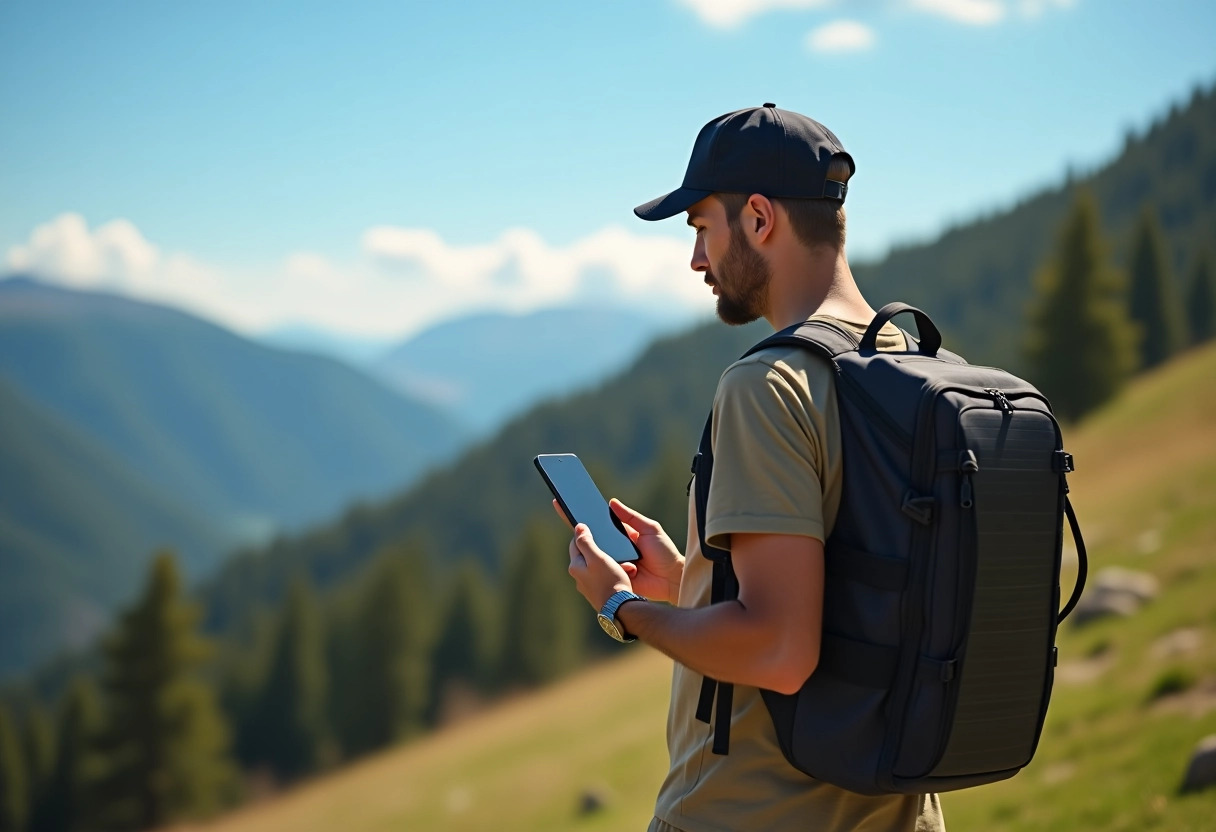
976,279
76,528
636,433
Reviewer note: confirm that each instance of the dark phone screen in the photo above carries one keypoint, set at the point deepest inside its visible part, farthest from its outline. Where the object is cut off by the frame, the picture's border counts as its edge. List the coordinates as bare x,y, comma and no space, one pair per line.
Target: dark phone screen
583,503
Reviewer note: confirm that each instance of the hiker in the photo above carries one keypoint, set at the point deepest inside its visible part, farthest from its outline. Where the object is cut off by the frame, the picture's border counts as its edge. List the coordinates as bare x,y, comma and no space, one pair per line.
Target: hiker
764,190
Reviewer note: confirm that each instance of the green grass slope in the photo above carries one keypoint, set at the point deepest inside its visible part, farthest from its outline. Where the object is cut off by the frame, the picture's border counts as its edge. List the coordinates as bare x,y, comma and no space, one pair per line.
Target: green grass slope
1112,757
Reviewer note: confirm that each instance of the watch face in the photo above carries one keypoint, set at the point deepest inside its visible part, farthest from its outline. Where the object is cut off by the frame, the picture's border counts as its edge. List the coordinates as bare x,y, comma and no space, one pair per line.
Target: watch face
609,626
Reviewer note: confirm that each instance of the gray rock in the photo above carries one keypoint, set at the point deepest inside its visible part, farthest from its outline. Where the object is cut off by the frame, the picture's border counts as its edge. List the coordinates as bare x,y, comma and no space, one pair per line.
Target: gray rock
1114,592
591,801
1201,772
1116,580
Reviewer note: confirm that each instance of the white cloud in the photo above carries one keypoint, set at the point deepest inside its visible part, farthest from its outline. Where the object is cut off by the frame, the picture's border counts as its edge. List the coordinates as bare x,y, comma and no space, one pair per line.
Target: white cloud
65,247
727,14
520,271
841,36
400,280
973,12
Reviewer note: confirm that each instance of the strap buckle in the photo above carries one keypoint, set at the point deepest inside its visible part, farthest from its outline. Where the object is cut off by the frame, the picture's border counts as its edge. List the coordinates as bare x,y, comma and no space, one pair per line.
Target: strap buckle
918,508
1062,462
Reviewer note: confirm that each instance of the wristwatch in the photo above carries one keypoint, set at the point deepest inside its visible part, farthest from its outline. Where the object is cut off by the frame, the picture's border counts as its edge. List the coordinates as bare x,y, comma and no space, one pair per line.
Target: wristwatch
607,615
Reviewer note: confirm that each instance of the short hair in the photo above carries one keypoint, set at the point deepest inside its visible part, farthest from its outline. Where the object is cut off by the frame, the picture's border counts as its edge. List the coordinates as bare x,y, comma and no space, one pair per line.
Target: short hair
816,222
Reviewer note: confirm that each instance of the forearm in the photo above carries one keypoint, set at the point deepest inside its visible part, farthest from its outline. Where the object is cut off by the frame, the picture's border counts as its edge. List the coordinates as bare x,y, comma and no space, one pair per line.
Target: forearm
726,641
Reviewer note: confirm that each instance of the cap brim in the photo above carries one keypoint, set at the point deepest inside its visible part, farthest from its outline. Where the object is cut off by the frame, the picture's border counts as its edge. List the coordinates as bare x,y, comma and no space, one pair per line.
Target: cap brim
668,205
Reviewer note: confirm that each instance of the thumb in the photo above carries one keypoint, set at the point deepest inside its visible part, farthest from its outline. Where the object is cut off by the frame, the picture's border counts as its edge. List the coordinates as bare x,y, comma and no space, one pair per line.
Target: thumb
639,521
586,543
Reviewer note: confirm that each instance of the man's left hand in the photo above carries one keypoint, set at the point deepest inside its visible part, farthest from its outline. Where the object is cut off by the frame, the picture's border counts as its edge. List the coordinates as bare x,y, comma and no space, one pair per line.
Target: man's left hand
595,573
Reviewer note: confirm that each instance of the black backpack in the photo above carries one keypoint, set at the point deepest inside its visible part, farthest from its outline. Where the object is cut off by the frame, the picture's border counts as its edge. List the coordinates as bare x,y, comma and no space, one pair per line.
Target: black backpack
942,571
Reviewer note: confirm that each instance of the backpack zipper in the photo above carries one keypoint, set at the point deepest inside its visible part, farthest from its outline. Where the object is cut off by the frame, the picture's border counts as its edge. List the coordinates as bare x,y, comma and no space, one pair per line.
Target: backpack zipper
999,399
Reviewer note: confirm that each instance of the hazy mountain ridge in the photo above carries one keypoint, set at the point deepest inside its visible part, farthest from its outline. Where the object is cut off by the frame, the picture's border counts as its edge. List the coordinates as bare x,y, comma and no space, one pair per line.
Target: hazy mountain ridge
249,439
489,367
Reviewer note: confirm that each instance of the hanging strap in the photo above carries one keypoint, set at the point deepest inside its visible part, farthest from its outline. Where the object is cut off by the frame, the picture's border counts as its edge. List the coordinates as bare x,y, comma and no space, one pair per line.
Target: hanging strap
1082,561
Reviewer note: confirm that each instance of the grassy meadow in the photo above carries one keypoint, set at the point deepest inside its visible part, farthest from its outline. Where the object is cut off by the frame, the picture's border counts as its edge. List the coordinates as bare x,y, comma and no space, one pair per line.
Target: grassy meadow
1133,696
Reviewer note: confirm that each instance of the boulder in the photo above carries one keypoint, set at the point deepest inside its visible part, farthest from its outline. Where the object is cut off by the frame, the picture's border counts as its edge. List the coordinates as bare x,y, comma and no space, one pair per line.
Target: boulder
1201,772
1114,591
1116,580
591,801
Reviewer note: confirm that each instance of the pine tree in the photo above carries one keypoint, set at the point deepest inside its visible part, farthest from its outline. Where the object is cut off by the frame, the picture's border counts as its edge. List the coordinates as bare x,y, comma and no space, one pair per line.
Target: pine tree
465,652
70,793
393,633
1153,302
39,741
292,731
1081,343
164,739
545,616
1201,300
14,784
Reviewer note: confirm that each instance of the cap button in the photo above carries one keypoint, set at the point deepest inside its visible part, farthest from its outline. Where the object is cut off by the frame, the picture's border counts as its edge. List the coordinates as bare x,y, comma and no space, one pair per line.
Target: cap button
769,104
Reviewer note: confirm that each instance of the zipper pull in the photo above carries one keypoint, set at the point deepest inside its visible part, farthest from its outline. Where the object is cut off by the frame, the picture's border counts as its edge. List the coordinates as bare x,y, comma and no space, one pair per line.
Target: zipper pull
968,465
999,399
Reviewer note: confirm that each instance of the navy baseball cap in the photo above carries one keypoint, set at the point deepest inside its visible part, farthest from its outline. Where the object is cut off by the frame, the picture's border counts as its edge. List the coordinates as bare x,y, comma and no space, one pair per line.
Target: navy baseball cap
760,150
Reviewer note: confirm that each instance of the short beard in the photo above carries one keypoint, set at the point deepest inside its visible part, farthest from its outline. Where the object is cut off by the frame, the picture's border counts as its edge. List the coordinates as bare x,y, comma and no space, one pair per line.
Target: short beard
744,280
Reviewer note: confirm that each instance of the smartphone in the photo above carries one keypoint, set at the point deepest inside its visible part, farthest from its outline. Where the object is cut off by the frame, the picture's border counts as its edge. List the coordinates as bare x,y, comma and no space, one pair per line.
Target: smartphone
582,502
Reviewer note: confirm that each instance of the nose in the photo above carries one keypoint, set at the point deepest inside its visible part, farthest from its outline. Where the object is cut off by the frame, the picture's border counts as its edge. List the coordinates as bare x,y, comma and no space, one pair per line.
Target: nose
700,263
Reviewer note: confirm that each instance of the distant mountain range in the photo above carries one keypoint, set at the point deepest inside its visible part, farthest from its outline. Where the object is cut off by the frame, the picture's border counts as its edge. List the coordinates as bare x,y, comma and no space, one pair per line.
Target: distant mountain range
358,351
489,367
129,425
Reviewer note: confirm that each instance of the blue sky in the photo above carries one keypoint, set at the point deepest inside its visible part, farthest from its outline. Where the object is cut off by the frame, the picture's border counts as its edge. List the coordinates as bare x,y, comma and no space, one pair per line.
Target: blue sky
372,167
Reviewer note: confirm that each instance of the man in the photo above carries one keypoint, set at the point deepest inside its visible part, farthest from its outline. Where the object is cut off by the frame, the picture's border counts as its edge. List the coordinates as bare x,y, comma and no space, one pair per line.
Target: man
764,191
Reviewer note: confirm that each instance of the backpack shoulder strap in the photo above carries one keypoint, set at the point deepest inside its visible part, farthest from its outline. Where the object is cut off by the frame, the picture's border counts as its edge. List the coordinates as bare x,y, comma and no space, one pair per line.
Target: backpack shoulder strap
820,336
827,340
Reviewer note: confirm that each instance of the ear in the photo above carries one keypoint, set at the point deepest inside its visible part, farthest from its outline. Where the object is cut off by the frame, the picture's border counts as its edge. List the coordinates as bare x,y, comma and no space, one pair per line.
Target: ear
758,217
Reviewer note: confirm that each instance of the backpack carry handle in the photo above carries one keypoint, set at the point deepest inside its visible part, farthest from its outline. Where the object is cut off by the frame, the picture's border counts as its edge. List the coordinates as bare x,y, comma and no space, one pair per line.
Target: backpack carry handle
930,338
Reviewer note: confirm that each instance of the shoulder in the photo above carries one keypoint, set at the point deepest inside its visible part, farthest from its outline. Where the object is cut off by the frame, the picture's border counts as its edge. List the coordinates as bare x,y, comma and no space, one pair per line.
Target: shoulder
781,367
780,385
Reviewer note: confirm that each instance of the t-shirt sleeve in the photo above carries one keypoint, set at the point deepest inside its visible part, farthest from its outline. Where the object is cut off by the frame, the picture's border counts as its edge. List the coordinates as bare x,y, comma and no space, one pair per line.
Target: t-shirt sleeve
767,456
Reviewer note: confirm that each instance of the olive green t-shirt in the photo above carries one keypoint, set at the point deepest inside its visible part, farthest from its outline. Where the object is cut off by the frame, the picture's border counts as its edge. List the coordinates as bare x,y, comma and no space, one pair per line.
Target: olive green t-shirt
777,470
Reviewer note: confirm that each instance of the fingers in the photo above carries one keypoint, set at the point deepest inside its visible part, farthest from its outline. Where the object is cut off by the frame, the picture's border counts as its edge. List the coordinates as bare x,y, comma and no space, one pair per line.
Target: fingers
641,522
558,508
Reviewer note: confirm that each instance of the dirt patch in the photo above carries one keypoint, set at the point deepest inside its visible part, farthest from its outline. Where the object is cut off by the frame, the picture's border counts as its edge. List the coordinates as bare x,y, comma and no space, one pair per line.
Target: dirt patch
1058,772
1084,671
1178,643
